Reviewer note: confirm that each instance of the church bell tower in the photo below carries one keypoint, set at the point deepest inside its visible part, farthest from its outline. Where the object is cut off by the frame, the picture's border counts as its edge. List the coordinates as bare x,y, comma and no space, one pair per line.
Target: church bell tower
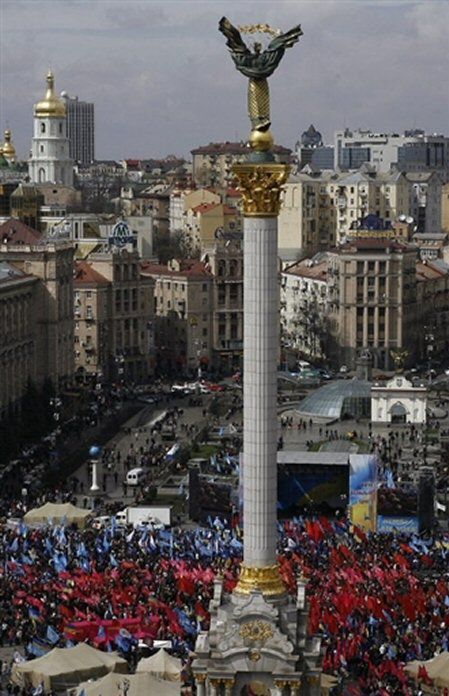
50,160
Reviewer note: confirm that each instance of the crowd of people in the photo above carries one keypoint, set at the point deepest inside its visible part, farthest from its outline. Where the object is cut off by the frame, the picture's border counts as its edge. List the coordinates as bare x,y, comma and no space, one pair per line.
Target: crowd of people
377,601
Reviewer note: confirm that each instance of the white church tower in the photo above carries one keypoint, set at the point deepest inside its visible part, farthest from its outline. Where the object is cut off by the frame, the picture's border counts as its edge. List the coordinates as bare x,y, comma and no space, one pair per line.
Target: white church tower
50,160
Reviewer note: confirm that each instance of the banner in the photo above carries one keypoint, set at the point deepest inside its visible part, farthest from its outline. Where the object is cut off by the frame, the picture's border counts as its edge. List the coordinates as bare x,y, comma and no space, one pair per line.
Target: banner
397,524
363,491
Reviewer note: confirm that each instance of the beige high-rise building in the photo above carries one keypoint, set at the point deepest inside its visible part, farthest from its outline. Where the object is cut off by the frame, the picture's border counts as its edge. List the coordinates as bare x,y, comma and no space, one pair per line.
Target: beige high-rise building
113,306
373,288
52,264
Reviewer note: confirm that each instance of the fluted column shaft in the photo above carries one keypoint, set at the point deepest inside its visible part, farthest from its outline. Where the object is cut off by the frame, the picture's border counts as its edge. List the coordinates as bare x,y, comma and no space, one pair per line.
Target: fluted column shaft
261,335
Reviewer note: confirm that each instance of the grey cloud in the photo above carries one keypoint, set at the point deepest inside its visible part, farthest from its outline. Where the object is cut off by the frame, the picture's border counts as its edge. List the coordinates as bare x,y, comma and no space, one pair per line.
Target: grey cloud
162,80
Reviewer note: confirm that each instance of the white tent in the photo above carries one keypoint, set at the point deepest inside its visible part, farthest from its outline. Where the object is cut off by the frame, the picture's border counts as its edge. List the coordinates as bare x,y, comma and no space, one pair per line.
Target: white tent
138,684
57,512
64,668
161,665
437,668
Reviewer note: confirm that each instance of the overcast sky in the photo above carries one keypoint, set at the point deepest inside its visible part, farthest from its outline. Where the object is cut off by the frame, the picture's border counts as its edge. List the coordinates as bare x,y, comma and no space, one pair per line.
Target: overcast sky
163,82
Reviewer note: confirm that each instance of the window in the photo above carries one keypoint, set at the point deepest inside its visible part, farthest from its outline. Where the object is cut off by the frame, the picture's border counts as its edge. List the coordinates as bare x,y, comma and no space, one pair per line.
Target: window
42,127
221,329
89,294
60,128
204,287
41,148
205,332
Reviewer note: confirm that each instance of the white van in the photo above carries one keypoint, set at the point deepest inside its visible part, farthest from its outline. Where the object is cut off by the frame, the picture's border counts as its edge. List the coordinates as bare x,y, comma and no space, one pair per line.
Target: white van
135,477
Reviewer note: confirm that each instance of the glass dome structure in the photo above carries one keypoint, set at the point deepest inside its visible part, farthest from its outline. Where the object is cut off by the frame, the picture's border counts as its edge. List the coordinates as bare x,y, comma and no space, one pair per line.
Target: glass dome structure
342,398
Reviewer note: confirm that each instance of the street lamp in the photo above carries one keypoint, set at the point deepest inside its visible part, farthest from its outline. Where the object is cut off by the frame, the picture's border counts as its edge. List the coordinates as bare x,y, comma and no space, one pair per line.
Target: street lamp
94,454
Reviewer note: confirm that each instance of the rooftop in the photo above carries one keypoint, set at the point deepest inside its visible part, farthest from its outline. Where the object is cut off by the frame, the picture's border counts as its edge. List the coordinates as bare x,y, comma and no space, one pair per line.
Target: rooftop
229,148
307,268
15,231
342,397
9,272
86,275
190,268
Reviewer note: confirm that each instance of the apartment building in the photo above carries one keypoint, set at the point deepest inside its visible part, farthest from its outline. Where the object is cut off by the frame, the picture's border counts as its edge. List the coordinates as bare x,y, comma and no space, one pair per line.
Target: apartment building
414,150
183,317
319,209
51,262
113,306
199,309
20,311
375,291
305,326
225,261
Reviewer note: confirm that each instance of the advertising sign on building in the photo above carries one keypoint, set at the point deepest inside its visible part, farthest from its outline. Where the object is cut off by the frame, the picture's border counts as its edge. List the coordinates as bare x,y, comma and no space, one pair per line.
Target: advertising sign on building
121,235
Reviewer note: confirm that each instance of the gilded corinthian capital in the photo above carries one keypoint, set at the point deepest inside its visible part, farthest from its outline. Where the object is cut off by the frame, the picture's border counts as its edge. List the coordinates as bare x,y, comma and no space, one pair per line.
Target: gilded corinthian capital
261,187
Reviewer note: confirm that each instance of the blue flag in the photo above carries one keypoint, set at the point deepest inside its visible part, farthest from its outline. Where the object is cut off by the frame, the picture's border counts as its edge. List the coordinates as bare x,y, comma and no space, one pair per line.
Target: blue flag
33,612
52,635
14,546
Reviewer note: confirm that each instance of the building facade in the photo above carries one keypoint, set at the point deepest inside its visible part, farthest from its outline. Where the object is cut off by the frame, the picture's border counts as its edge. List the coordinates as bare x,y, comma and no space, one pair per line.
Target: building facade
20,312
80,129
113,308
183,320
225,261
414,150
199,310
373,293
305,325
52,264
425,192
319,209
50,151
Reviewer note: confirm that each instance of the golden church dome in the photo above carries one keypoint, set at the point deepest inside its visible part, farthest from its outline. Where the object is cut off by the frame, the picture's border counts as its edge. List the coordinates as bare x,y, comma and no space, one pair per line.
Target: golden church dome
51,106
8,149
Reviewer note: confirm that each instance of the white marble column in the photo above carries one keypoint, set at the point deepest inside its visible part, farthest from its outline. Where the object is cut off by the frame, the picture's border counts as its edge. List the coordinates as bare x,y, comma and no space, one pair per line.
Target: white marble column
94,487
261,337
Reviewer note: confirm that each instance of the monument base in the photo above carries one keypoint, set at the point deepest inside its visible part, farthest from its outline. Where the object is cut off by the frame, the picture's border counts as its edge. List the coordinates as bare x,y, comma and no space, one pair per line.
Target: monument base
256,646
